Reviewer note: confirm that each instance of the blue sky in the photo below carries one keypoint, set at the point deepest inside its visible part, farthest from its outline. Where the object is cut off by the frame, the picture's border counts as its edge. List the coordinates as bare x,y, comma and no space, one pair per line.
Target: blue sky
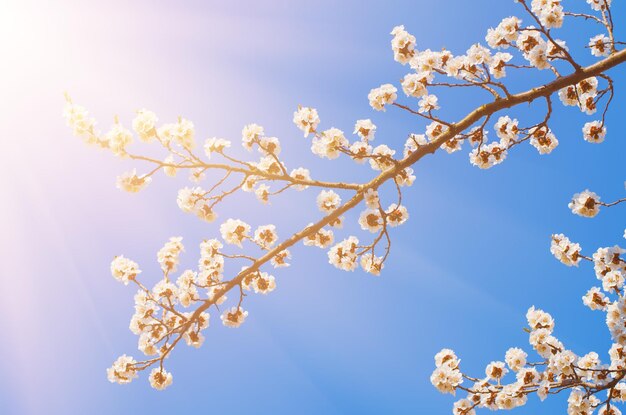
463,271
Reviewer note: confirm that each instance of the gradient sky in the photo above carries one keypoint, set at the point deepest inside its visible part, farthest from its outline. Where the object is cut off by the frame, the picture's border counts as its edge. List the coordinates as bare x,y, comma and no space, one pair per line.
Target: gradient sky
463,271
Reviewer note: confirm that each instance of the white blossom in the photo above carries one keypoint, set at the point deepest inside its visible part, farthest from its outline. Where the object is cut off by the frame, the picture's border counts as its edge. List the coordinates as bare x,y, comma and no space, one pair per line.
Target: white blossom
405,177
264,283
434,130
371,199
504,34
550,12
322,238
360,151
564,250
265,236
160,378
186,288
124,270
595,299
234,231
496,370
123,370
497,64
118,139
169,169
446,379
262,193
463,407
300,174
234,317
328,201
82,125
269,146
192,200
506,129
414,84
251,134
168,256
306,119
344,254
539,319
329,143
600,45
372,264
598,5
428,103
182,133
594,132
515,358
489,155
585,204
383,95
144,124
543,139
396,215
477,54
382,158
215,145
365,129
403,45
131,182
371,220
280,259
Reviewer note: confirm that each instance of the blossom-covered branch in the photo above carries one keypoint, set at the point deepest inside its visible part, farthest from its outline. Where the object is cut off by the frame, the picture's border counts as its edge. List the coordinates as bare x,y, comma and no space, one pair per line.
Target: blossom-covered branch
173,310
592,384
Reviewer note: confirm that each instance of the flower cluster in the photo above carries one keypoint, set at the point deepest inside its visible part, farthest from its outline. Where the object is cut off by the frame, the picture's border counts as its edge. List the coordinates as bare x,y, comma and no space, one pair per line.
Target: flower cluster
192,200
124,270
560,368
447,376
582,95
306,119
160,320
403,45
564,250
585,203
383,95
